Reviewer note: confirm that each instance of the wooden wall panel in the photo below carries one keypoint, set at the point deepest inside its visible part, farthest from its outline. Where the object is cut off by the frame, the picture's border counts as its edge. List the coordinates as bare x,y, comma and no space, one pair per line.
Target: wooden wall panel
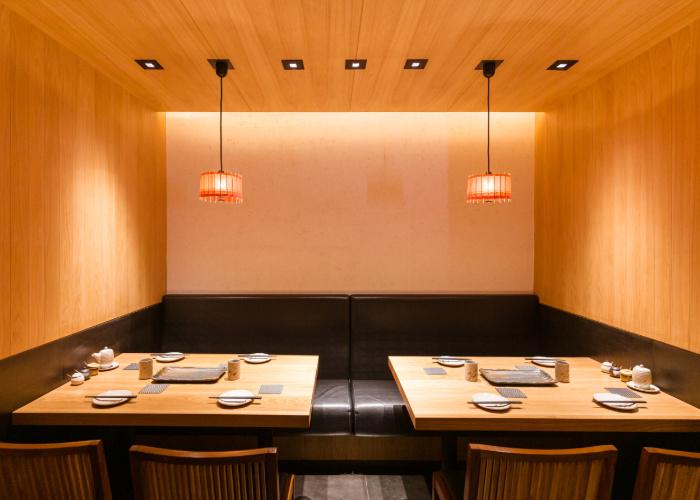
617,196
82,197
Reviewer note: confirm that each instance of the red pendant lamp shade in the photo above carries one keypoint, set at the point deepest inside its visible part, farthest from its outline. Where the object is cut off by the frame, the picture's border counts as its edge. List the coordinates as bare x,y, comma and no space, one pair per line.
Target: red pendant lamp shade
488,187
219,186
223,187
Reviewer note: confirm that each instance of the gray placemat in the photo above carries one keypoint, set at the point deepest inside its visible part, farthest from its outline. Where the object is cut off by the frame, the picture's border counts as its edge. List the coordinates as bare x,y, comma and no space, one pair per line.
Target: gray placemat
434,371
623,391
132,366
271,389
154,388
510,392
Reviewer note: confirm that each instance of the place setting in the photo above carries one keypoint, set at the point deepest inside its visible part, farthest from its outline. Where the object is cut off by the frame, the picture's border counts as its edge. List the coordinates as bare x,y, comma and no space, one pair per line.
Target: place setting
257,358
493,402
111,398
168,357
450,361
618,402
236,398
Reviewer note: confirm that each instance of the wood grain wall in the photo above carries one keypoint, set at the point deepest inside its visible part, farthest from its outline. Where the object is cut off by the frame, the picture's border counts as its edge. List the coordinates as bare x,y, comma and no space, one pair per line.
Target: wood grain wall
617,197
82,193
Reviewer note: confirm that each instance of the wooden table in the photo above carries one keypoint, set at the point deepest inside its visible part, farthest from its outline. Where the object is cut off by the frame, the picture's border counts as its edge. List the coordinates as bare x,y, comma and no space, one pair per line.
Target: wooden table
184,405
440,402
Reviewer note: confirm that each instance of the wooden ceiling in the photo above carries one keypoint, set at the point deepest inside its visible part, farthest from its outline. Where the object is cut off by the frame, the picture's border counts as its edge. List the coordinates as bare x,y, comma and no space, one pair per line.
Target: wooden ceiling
453,34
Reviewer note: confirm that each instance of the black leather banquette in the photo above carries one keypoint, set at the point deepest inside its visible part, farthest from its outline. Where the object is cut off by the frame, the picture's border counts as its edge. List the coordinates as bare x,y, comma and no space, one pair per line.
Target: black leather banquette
353,335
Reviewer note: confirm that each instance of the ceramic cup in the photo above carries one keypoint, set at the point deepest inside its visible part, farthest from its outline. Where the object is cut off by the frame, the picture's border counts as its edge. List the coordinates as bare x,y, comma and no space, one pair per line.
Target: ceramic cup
234,369
641,376
471,370
561,371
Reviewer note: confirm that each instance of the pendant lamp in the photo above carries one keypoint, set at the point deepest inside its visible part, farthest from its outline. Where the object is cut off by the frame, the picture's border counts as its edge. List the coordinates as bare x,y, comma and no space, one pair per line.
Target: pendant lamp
488,187
219,186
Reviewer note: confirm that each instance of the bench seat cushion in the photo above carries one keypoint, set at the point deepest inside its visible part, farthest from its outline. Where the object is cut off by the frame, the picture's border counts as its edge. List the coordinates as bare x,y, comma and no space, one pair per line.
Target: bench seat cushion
379,409
331,409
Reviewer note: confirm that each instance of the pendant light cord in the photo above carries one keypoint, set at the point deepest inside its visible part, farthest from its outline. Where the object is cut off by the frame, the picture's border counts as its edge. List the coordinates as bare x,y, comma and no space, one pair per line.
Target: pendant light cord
488,125
221,128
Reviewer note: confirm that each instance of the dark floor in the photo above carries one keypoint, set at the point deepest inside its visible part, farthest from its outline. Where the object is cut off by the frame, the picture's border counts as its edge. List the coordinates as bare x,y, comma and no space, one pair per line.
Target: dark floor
361,487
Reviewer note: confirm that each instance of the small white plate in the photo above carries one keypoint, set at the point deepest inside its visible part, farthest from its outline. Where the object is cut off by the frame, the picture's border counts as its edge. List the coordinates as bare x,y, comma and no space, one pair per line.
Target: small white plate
544,361
111,401
110,367
625,404
489,401
652,389
169,357
449,361
236,397
257,358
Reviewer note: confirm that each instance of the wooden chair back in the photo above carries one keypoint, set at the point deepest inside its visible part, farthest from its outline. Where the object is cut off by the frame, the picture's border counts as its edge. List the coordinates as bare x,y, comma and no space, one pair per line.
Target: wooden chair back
160,474
66,471
667,475
580,473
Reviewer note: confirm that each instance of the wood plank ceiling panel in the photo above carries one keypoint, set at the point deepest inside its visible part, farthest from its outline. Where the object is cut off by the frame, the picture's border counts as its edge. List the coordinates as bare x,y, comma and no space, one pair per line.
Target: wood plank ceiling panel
453,34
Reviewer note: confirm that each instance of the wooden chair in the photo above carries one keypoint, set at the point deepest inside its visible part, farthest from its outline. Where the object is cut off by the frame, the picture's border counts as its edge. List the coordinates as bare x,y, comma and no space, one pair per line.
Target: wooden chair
667,475
160,474
497,473
63,471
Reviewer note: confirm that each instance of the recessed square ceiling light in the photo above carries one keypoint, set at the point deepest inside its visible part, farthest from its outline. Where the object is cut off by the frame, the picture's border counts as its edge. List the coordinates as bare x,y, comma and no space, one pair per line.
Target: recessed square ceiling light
292,64
212,62
355,63
562,64
480,66
148,63
415,64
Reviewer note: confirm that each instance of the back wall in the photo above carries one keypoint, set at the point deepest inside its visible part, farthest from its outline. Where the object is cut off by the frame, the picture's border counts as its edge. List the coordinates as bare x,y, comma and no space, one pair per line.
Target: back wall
349,202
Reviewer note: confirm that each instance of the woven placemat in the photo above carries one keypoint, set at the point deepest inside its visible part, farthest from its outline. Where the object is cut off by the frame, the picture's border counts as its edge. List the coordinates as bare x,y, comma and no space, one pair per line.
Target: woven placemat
154,388
510,392
271,389
623,391
435,371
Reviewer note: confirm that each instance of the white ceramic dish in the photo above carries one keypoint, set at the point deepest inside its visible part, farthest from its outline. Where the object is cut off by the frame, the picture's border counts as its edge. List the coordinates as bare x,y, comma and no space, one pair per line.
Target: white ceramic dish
544,361
450,362
169,357
112,401
489,401
652,389
110,367
236,397
625,404
257,358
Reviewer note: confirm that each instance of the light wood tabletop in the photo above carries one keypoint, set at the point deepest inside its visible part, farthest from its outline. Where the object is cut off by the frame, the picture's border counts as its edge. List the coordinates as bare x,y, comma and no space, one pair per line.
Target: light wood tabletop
440,402
186,405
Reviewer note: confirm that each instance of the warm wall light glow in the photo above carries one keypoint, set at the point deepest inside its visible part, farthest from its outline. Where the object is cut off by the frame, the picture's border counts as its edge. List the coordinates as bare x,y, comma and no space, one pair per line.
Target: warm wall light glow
221,187
489,188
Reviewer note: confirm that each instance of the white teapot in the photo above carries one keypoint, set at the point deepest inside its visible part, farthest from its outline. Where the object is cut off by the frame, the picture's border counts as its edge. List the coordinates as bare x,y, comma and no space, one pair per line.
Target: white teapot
77,378
105,357
641,376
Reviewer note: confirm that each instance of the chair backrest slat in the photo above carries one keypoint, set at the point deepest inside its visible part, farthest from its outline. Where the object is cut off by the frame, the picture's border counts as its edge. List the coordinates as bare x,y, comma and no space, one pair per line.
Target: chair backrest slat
160,474
667,475
514,473
68,471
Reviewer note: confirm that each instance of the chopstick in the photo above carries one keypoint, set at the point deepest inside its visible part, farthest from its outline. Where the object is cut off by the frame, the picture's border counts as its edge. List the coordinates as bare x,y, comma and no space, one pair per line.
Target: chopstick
234,397
622,402
111,397
450,358
495,402
544,358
